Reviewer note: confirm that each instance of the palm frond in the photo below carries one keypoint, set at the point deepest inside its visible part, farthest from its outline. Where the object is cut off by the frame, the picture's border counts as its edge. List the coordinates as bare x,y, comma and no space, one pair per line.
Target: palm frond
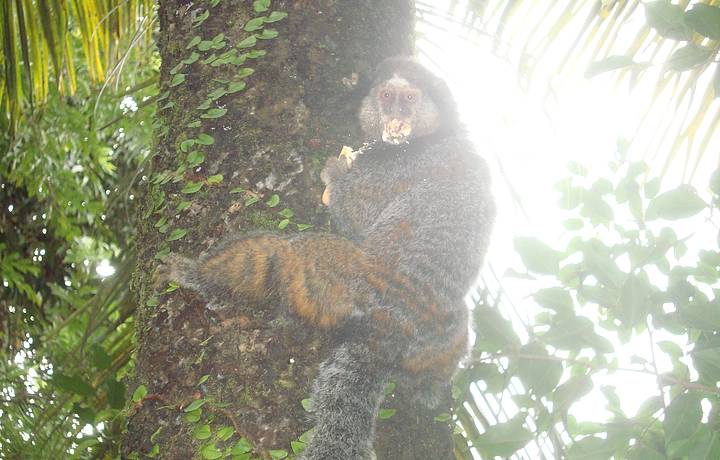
37,35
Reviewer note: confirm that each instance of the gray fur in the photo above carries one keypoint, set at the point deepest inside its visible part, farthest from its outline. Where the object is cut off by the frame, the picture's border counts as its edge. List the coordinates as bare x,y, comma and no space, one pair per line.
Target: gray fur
425,209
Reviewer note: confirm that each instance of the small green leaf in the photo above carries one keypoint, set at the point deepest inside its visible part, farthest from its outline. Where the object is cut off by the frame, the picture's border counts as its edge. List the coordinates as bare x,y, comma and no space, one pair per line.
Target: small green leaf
297,447
203,379
241,447
287,213
139,393
386,413
204,139
225,433
215,179
176,234
245,72
195,40
254,54
254,24
195,158
260,6
193,416
200,19
202,432
278,453
211,452
183,205
186,144
177,79
205,105
302,227
194,124
191,187
247,42
276,16
235,86
214,113
389,388
152,302
444,417
283,223
205,45
218,93
307,404
251,200
237,190
177,68
198,403
191,59
268,34
273,201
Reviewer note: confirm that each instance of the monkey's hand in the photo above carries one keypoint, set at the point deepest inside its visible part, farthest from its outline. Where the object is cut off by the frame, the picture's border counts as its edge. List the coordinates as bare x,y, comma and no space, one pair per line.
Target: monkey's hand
335,168
173,267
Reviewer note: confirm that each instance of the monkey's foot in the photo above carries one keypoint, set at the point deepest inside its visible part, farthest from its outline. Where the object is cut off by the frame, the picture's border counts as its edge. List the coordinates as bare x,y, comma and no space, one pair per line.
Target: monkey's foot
172,267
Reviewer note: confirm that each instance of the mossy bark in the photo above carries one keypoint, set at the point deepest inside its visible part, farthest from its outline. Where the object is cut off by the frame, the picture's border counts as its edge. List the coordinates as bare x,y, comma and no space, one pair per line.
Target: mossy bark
299,106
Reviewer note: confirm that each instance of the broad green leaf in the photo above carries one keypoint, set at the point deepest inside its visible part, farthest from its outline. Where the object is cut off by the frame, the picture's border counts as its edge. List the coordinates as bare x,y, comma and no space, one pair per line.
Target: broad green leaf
278,453
504,439
682,417
689,56
705,20
590,448
554,298
72,384
538,375
215,179
571,391
537,256
667,19
273,201
675,204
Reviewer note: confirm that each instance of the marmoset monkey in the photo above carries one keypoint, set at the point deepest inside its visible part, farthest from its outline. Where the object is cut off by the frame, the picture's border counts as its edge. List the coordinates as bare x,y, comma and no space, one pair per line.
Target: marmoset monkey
415,211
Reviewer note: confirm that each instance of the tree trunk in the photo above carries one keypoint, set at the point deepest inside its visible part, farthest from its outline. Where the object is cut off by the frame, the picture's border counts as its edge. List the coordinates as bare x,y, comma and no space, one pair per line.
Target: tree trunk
298,107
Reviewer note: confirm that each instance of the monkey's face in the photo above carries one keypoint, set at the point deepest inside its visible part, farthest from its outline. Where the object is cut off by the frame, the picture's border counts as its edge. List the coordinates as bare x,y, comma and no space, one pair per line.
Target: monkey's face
397,111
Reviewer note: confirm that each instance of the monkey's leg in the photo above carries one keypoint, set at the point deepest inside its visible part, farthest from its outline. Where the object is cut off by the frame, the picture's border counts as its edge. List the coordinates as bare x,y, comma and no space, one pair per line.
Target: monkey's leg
346,396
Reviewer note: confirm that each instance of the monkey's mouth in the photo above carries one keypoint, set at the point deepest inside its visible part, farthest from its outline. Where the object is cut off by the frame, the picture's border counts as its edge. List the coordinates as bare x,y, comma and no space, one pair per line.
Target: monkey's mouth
396,131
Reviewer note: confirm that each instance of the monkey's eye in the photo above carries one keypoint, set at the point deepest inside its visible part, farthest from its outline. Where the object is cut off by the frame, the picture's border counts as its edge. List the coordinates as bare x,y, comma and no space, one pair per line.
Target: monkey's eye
386,95
410,97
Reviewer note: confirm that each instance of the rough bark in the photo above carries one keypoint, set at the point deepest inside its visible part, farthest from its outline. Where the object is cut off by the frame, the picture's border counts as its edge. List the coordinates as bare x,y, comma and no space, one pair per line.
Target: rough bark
299,107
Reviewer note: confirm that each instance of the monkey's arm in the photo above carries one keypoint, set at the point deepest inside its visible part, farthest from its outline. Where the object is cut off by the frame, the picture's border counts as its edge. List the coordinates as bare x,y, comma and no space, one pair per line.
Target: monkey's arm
323,278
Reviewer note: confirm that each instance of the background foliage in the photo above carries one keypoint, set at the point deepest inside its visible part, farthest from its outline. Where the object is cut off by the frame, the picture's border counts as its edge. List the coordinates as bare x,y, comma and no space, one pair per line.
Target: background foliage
76,87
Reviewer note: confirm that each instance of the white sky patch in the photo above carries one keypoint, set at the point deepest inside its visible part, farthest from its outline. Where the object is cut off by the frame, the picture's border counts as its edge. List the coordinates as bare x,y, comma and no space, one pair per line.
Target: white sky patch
104,269
528,139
